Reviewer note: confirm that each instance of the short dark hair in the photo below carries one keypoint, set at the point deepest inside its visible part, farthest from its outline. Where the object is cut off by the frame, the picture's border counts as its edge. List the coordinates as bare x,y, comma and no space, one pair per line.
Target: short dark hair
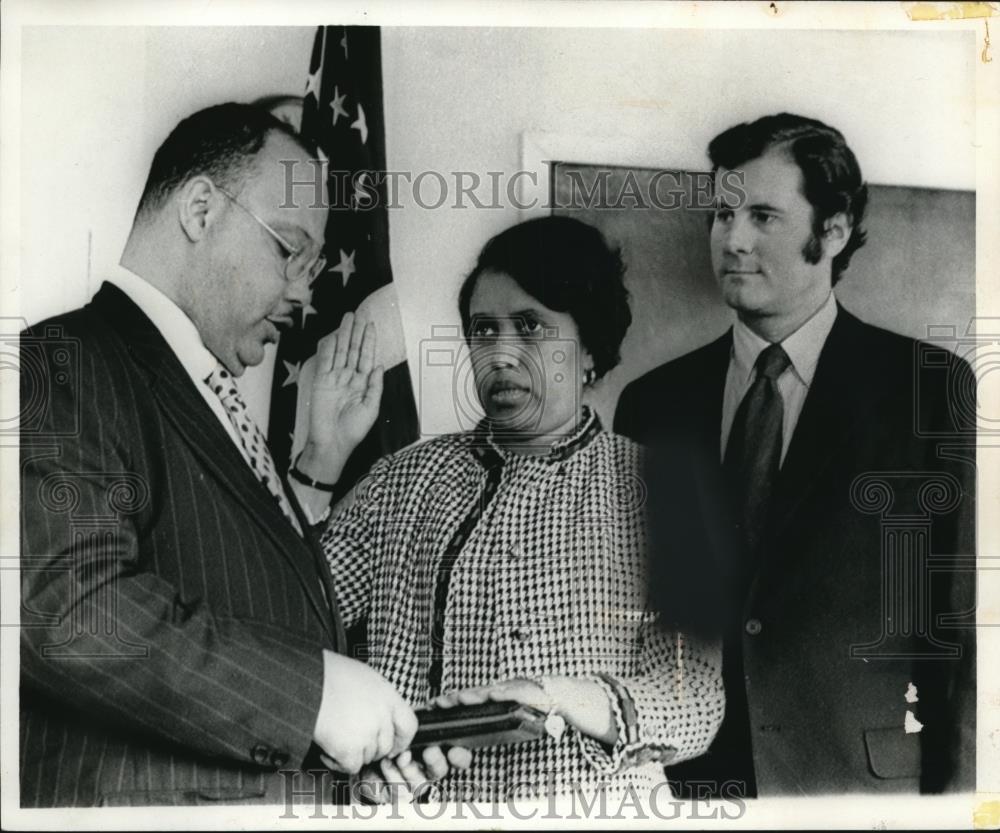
830,171
221,142
569,267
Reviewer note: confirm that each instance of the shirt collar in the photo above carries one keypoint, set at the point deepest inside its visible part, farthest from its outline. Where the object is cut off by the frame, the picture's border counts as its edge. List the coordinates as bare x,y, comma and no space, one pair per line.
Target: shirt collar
177,329
589,426
803,346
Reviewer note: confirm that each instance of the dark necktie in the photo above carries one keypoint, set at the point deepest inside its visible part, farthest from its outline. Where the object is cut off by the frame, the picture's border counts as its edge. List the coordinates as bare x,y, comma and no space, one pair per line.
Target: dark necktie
753,453
751,462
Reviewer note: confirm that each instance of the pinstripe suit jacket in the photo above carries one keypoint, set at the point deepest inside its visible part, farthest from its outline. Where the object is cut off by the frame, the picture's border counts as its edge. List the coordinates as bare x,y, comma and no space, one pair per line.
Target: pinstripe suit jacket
172,619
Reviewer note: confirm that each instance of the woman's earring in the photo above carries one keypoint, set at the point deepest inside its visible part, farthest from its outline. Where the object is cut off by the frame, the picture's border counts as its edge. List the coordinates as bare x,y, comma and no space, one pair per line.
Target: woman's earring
589,377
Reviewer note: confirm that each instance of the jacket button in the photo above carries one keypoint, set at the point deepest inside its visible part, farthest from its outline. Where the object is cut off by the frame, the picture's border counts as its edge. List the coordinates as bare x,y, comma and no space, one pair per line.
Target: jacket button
521,635
261,754
279,758
514,550
753,627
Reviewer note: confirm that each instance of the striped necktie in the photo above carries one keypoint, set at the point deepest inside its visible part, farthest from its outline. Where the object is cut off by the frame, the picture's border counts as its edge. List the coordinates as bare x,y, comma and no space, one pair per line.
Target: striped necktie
252,445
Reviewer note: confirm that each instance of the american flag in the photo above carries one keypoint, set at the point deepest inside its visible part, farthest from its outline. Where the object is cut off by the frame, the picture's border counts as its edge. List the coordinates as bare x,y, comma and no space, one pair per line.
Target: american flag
342,113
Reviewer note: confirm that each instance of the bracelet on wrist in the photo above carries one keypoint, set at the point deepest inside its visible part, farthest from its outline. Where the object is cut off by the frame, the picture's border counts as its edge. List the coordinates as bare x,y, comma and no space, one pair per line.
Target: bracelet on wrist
555,723
297,474
625,703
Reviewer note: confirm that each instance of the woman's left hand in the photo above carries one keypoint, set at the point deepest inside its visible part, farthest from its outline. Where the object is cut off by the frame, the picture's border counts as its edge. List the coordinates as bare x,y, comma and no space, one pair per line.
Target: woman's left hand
518,689
582,703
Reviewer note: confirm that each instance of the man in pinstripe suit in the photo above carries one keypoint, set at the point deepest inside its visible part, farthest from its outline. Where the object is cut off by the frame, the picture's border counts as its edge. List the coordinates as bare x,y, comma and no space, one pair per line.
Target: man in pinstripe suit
178,643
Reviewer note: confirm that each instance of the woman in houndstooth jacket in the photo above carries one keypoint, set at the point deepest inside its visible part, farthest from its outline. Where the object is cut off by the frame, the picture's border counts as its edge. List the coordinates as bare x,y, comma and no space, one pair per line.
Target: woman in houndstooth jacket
507,562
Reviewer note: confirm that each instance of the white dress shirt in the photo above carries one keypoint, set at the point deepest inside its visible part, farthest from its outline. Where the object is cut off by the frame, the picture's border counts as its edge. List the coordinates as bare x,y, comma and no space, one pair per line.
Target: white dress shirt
803,348
181,336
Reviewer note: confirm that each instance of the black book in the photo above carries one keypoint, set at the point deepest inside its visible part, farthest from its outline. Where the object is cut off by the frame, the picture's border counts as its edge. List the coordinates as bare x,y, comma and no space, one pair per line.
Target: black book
485,724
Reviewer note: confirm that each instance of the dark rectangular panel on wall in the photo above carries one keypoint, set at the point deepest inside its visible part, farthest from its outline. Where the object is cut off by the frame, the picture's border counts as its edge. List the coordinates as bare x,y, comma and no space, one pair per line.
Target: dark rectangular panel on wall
917,269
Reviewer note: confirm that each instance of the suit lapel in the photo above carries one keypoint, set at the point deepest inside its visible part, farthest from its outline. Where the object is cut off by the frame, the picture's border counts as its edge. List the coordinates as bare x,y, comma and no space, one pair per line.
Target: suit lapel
705,413
707,390
312,540
186,409
829,416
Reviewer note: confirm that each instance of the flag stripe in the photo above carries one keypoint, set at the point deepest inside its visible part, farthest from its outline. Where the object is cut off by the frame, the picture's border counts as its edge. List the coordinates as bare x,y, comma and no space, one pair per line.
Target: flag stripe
342,112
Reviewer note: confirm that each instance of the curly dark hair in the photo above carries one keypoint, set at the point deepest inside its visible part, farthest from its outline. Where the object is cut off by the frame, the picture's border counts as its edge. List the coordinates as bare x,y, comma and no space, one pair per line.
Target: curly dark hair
569,267
221,142
830,172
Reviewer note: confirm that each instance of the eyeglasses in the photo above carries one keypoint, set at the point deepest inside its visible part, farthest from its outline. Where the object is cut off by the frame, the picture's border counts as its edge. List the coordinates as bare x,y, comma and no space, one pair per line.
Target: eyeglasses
300,263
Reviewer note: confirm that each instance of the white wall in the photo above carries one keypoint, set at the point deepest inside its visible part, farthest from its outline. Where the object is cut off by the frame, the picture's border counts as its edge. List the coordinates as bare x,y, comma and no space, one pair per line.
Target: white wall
460,99
97,102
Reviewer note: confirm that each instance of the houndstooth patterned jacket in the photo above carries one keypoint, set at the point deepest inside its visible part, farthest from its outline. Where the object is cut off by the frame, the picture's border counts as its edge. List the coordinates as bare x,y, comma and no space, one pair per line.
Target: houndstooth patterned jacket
476,565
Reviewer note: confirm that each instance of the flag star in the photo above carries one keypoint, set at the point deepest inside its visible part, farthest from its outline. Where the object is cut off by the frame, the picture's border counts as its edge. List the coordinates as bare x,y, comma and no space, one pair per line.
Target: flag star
312,83
346,266
343,43
337,105
361,124
293,373
307,310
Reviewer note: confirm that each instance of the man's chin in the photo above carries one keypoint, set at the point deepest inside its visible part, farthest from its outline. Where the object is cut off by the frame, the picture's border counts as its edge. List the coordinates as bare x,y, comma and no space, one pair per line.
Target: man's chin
235,368
249,356
742,296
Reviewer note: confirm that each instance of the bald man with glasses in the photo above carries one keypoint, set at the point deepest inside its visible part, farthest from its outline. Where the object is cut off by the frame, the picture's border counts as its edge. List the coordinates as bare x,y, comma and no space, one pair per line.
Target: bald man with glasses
180,642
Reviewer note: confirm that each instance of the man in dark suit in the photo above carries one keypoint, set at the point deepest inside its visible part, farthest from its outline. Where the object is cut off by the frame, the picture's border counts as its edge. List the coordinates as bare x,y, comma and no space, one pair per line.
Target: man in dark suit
178,641
810,491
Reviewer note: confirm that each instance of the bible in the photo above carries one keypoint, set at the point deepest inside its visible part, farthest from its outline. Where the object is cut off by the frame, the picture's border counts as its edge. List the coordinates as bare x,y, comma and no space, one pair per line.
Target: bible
484,724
